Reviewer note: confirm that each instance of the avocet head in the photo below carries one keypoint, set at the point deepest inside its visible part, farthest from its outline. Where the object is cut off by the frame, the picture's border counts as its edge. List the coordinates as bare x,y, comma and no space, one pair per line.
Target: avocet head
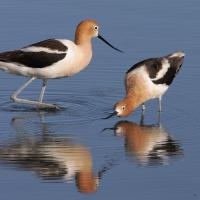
88,29
122,108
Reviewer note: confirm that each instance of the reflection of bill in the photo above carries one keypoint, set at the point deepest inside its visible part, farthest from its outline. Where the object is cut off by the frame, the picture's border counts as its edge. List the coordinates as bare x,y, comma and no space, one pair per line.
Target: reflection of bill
150,145
50,156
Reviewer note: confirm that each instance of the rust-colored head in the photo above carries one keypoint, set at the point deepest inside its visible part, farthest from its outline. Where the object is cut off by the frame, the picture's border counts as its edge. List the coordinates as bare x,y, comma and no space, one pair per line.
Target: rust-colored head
124,107
86,30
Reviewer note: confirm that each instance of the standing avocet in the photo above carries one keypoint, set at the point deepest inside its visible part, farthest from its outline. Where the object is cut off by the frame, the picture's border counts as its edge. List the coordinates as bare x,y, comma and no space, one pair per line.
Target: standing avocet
50,59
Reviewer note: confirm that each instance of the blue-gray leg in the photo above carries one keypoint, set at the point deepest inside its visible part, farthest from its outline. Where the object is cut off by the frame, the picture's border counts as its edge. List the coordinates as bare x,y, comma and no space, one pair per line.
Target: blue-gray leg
160,104
39,104
44,84
143,107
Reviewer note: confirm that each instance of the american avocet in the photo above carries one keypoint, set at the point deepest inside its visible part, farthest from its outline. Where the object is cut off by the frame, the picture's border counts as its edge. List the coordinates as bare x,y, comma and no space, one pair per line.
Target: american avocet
147,80
149,144
50,59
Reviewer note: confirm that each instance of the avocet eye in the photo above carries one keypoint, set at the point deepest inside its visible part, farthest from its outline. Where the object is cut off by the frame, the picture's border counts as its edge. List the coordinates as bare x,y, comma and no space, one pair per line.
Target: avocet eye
123,107
96,27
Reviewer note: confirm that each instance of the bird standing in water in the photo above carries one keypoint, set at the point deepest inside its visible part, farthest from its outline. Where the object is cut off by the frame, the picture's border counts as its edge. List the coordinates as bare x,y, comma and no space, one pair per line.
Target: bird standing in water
147,80
50,59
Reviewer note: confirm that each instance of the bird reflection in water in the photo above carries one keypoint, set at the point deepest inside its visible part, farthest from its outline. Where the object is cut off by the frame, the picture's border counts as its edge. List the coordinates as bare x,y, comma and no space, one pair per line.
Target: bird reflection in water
50,156
149,145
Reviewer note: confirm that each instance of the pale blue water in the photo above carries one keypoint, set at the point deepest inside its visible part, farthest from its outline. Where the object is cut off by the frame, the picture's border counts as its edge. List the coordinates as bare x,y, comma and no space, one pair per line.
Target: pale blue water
141,163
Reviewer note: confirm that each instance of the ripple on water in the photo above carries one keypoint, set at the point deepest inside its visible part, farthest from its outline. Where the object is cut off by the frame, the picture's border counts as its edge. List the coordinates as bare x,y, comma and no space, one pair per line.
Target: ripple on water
76,108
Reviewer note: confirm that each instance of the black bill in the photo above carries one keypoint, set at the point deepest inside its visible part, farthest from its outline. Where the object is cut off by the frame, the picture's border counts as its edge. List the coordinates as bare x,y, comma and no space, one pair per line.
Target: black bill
101,38
110,115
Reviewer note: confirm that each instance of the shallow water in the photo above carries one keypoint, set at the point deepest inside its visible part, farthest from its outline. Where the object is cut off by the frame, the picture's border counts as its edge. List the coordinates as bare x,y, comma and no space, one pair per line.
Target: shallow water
66,154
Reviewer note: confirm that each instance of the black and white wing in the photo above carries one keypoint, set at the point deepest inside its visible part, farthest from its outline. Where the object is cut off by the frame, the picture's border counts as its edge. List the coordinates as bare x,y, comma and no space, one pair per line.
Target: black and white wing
161,70
171,64
152,65
37,55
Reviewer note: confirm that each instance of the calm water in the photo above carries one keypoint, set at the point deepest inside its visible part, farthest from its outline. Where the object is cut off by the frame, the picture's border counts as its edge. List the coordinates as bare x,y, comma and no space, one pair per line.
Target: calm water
65,155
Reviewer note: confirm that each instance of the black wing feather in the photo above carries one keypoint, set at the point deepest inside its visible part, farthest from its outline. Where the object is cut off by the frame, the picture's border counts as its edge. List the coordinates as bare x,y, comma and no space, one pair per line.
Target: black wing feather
52,44
31,59
153,65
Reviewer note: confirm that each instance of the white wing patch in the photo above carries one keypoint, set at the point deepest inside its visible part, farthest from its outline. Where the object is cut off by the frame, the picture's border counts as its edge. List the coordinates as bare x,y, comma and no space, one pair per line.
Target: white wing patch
39,49
163,71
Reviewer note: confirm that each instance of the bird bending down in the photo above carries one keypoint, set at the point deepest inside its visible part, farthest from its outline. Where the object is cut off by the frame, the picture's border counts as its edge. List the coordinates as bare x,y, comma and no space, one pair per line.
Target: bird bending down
147,80
50,59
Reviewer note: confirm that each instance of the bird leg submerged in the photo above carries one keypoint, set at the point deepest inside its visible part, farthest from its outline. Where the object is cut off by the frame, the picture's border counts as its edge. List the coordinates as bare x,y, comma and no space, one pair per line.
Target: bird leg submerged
160,104
143,108
39,103
158,124
44,84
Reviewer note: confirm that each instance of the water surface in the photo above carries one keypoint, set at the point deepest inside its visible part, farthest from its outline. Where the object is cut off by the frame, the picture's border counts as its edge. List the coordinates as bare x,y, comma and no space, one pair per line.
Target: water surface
59,155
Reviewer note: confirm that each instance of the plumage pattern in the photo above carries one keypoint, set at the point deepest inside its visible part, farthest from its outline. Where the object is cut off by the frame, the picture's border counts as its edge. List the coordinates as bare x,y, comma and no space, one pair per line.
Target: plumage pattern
52,44
37,55
39,59
168,64
153,65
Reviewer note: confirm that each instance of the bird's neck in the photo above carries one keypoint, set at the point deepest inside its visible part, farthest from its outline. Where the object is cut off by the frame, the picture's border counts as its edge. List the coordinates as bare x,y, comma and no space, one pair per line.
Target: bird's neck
82,39
133,100
136,92
86,47
84,43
